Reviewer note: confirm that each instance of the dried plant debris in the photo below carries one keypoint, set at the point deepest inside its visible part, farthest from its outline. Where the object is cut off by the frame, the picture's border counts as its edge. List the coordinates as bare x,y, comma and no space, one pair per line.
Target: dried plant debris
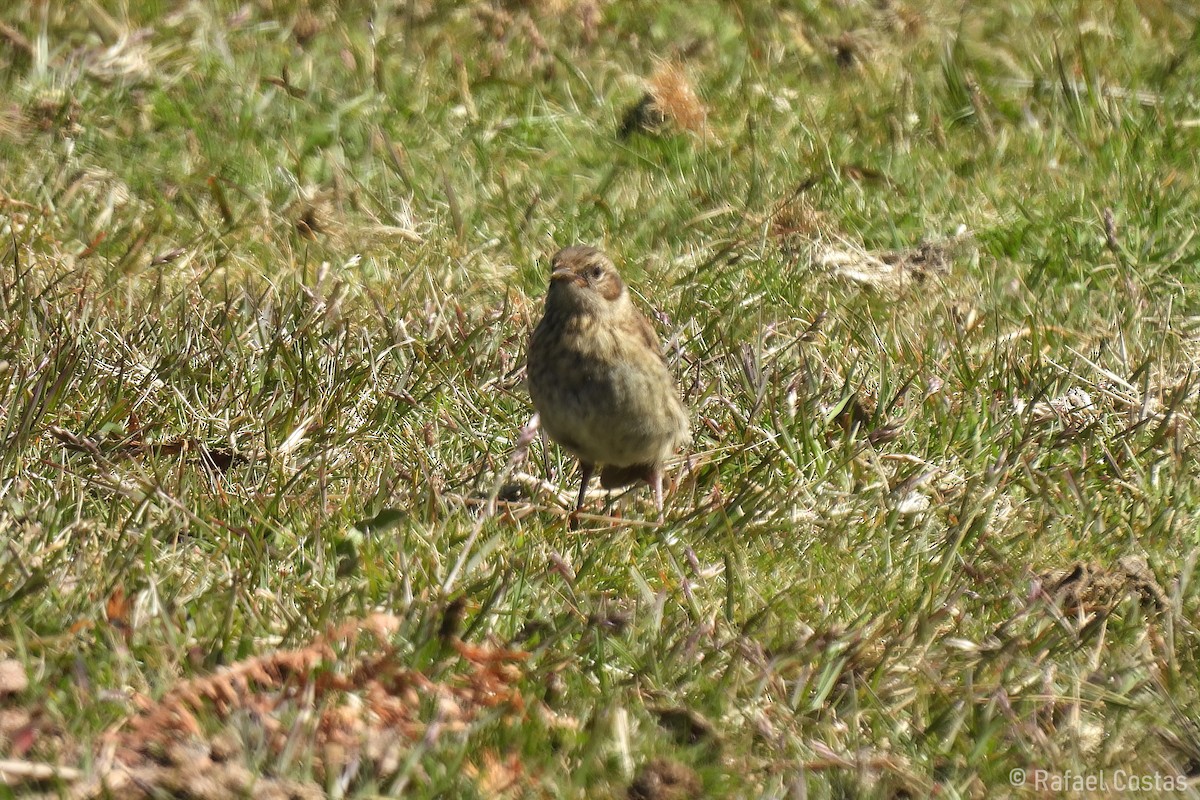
536,23
219,459
860,412
664,779
1074,410
1091,588
13,679
644,116
53,111
797,218
362,707
687,725
851,48
306,26
1110,398
899,18
496,776
890,269
197,771
876,770
669,105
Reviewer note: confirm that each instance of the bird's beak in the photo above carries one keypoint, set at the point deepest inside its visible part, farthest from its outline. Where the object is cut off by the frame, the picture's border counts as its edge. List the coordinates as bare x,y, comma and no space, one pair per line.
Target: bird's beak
564,274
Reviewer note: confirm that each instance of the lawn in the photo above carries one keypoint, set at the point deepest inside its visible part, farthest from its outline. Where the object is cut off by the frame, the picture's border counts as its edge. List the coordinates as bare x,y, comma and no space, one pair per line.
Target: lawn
926,274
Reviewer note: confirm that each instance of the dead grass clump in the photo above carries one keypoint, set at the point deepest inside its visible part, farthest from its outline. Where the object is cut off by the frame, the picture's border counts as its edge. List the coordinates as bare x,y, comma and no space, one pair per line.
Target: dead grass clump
347,695
194,770
1091,588
889,269
497,777
797,219
1111,399
851,48
1074,410
900,18
669,104
536,23
54,112
676,98
664,779
306,26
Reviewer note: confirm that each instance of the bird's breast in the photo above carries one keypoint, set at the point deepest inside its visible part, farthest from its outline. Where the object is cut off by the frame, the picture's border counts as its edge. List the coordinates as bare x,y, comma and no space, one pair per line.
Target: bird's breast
602,392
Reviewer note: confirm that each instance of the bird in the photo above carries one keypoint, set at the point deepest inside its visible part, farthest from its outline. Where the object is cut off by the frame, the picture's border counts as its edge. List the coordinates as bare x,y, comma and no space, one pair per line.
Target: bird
598,379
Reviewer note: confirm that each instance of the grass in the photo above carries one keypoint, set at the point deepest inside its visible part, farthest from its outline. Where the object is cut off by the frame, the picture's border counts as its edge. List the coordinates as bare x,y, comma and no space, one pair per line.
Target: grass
926,275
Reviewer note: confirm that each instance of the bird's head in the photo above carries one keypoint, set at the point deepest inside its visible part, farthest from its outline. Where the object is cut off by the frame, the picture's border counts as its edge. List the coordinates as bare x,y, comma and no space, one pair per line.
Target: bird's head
583,278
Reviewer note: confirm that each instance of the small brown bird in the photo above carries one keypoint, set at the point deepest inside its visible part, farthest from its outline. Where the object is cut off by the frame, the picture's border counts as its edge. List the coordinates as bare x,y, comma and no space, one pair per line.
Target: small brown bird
598,378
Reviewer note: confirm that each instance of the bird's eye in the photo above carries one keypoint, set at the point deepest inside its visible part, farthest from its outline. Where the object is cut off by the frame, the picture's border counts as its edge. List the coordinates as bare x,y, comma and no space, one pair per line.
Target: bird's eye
596,273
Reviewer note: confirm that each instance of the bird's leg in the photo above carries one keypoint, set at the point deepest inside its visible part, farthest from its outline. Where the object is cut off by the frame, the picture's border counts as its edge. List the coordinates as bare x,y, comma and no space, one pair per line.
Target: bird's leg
656,482
585,477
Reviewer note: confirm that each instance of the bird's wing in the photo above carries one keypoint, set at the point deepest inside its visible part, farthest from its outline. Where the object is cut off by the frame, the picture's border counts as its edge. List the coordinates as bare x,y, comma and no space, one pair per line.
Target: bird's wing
648,335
